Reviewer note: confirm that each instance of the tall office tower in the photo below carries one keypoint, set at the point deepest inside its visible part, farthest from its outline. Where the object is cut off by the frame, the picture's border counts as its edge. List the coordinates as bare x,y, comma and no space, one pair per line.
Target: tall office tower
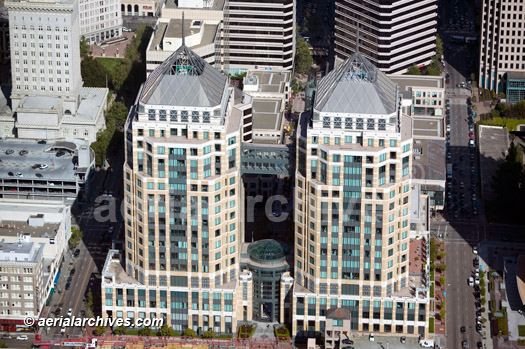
258,35
48,100
502,42
394,34
352,203
182,200
100,20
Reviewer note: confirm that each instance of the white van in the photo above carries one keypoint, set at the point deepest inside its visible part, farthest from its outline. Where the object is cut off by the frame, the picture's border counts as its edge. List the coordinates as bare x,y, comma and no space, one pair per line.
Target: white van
427,343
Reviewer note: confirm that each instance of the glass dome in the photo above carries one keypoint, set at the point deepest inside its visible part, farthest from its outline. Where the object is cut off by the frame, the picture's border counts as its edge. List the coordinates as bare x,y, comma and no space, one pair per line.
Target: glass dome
266,252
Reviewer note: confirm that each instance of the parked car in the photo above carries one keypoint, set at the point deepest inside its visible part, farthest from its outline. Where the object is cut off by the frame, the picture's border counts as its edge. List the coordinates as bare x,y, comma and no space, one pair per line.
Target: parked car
22,337
57,311
77,252
464,344
463,329
371,337
478,328
60,153
475,248
9,151
6,336
42,141
471,281
19,174
348,341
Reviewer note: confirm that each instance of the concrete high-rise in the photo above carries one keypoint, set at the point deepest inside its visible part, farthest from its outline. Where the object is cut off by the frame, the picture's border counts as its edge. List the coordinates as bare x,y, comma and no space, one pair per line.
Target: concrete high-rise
47,97
393,34
502,49
100,20
352,201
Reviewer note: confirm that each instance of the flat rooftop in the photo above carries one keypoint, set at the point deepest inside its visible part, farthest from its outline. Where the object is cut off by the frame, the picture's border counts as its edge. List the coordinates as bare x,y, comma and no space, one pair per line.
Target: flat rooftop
427,127
23,252
266,114
429,159
407,81
15,228
217,5
493,148
91,100
40,103
173,30
269,81
59,168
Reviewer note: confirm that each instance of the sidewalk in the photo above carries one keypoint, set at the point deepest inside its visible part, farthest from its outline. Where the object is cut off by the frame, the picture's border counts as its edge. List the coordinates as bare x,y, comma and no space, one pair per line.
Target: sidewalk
485,333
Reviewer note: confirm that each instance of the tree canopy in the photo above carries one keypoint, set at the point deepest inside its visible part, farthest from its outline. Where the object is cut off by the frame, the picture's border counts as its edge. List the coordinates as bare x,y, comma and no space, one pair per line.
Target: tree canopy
93,73
84,47
439,45
303,58
413,70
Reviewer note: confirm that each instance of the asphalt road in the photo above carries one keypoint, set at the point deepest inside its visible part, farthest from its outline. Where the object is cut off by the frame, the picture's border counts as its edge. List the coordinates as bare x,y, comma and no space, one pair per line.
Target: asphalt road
93,250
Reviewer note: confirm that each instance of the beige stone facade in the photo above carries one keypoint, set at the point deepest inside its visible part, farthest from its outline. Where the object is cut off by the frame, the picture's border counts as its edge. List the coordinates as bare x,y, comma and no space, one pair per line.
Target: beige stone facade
352,204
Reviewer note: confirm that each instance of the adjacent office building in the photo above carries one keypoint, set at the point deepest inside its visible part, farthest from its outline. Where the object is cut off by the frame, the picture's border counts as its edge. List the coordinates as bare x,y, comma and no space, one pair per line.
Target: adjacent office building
100,20
393,35
182,201
47,97
501,44
234,36
352,202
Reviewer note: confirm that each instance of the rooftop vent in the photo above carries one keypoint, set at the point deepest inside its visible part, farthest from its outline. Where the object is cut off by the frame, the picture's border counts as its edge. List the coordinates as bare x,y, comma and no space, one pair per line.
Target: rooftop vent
36,220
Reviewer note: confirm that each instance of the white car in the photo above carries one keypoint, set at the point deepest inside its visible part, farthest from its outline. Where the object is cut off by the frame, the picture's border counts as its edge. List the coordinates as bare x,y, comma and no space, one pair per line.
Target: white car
70,312
43,166
22,337
475,248
471,281
476,280
19,174
371,337
63,330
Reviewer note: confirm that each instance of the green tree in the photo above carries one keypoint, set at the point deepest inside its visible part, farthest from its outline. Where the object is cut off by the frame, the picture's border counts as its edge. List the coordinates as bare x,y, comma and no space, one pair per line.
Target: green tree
93,73
442,314
117,113
166,331
3,345
434,68
84,47
495,113
99,331
145,332
501,95
121,330
76,236
413,70
209,334
439,45
303,58
474,99
442,267
442,280
189,332
442,255
516,111
89,304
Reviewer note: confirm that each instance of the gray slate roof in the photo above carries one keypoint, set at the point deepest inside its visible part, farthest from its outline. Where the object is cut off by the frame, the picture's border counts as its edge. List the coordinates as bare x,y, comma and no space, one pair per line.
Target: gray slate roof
184,79
356,86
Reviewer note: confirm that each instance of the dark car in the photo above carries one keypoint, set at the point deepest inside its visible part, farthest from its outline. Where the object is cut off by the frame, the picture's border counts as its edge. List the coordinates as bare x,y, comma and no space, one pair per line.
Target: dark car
464,344
479,345
42,142
9,151
348,341
61,153
478,328
35,166
23,152
463,329
69,279
57,311
72,272
77,252
403,339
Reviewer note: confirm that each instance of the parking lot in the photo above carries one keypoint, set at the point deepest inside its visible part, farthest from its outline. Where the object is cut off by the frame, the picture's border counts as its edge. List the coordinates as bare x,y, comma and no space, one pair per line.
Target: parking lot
493,145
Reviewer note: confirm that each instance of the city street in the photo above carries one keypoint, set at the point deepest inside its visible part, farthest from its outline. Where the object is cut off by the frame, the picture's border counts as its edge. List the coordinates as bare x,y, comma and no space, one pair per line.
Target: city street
93,251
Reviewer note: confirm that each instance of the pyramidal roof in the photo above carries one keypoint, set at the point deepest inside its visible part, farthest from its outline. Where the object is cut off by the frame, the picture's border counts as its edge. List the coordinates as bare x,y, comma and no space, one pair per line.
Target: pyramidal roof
184,79
356,86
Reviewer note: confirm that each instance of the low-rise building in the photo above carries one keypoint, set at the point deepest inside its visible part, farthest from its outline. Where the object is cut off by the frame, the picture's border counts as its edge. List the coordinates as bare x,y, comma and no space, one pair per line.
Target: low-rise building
337,327
515,87
424,100
51,171
143,8
33,239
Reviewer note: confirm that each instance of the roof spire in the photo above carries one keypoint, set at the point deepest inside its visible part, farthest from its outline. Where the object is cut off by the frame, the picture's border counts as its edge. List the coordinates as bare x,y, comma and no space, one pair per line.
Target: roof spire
356,38
183,41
